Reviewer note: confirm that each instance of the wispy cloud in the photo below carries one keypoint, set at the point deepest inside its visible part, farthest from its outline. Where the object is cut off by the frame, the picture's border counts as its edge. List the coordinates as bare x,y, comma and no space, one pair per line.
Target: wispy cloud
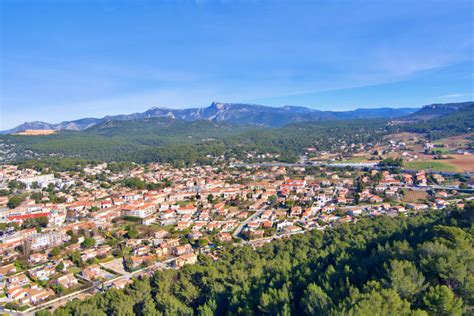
455,95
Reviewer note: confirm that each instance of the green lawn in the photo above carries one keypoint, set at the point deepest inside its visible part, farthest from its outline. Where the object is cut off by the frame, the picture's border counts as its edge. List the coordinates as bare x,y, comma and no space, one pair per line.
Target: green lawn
74,270
441,150
354,159
107,259
430,164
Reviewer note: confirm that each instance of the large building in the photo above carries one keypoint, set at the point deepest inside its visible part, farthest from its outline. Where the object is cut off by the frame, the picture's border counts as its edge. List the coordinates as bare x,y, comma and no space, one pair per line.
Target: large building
42,181
47,240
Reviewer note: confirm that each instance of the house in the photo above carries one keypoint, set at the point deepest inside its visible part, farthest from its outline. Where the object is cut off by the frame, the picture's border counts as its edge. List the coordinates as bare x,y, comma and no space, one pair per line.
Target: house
416,207
42,273
355,211
186,209
256,234
224,237
38,295
141,251
328,218
296,211
67,281
136,261
92,272
399,209
253,225
161,234
182,225
190,258
103,251
149,220
438,178
6,270
38,258
440,203
292,229
267,224
266,214
375,199
183,249
120,284
18,294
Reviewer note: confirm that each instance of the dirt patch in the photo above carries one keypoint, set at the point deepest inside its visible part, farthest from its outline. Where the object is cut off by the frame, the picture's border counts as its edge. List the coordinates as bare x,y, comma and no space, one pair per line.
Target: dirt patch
34,132
411,196
455,141
463,162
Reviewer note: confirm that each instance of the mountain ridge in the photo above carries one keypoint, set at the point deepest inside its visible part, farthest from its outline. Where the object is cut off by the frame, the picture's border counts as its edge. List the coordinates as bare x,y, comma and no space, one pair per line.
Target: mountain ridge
435,110
236,113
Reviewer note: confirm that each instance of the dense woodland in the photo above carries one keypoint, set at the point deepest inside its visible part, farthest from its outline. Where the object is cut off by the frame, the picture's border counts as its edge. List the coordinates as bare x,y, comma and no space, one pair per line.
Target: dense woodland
416,265
180,142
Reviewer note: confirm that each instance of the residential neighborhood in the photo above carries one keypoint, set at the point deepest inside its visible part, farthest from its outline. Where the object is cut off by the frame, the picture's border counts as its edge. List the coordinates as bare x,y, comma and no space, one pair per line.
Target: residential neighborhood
94,229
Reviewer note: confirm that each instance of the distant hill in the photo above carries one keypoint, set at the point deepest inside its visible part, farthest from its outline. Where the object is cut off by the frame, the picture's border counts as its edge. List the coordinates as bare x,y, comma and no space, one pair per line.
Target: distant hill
234,113
439,109
458,120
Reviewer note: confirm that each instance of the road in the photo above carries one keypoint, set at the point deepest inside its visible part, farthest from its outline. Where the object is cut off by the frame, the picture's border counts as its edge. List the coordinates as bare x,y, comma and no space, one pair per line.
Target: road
239,228
357,165
314,163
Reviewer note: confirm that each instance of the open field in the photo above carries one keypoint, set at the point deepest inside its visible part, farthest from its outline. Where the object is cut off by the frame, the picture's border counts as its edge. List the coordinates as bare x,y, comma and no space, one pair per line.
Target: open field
410,196
441,150
405,137
32,132
435,165
455,141
463,162
355,159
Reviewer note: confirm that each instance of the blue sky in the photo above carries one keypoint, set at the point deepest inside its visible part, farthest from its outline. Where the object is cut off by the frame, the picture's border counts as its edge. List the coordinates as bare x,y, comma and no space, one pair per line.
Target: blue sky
63,60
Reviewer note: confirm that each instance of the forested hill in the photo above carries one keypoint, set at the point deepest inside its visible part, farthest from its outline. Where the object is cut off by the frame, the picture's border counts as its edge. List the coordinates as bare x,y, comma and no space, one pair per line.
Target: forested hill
175,140
456,122
420,265
440,109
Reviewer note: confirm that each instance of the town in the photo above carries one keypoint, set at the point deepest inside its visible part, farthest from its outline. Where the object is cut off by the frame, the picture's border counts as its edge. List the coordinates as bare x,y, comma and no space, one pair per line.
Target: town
70,234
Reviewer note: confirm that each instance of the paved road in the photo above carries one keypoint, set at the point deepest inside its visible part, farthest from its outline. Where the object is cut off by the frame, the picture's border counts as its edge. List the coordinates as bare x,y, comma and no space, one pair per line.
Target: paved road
239,228
357,165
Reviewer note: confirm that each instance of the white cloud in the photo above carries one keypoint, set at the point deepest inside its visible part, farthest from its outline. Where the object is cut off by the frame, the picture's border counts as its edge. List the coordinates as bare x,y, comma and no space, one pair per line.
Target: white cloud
454,95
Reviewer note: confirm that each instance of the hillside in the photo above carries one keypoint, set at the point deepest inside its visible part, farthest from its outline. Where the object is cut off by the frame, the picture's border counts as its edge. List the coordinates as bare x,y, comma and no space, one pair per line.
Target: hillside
457,121
153,139
176,140
420,265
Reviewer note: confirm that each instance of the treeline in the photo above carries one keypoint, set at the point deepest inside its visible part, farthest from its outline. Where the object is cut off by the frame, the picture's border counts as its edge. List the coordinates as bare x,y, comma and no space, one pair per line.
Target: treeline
420,265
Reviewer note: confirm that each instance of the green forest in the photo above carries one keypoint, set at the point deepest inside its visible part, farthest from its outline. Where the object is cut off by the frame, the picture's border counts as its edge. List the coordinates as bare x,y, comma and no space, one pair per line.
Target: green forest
181,142
417,265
